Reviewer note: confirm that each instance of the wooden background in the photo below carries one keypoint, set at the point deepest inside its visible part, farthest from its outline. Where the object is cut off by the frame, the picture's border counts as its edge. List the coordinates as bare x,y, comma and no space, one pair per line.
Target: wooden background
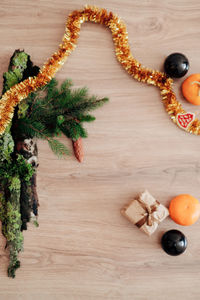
84,248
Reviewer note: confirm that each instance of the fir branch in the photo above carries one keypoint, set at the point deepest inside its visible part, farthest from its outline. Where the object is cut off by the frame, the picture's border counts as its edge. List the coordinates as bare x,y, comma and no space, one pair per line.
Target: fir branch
66,85
58,148
56,110
31,128
86,106
78,96
86,118
73,130
35,99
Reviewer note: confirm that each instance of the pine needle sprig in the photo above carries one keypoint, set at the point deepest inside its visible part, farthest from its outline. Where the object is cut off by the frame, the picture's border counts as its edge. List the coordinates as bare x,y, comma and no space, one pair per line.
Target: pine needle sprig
58,148
82,107
56,110
66,85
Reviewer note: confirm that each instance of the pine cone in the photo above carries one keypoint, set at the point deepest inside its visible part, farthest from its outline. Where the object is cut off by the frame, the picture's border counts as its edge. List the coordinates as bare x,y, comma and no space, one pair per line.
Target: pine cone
78,149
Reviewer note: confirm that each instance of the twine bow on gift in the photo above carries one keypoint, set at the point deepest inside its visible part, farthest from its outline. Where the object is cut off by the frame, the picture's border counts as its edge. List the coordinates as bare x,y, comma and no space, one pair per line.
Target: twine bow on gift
148,214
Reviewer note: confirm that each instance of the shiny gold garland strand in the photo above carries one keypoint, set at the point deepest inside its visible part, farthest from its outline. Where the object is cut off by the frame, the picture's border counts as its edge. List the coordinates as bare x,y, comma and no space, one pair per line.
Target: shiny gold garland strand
120,37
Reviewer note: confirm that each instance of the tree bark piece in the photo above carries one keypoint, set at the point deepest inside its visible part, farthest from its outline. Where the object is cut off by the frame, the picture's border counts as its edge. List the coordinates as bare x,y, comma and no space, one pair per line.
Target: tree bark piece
29,198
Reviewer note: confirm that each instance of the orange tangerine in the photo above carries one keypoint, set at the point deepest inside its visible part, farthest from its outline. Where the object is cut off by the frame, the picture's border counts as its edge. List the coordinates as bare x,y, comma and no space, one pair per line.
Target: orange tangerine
191,89
184,209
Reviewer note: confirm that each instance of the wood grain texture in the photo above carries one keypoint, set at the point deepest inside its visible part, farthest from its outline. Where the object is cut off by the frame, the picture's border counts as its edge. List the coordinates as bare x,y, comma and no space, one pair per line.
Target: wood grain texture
84,248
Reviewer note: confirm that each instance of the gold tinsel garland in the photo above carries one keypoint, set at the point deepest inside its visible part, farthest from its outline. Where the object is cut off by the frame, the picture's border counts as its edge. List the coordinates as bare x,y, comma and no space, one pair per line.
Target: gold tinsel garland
11,98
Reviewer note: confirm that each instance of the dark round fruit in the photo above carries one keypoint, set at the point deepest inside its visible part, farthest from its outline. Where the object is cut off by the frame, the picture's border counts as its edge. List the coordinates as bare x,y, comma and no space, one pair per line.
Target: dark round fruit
176,65
174,242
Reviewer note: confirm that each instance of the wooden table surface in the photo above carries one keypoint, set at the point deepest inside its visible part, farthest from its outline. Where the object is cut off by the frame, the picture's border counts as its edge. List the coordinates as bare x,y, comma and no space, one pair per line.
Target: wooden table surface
84,248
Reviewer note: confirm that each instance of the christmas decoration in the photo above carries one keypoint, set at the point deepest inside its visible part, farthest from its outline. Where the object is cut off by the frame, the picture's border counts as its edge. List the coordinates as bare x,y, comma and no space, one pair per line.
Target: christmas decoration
33,106
145,212
45,114
184,209
191,89
118,29
174,242
176,65
184,120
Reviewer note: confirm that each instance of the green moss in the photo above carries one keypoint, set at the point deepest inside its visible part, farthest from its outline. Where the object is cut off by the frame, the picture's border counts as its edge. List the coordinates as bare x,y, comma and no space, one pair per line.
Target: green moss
22,109
13,224
24,169
11,78
19,167
36,223
18,61
6,147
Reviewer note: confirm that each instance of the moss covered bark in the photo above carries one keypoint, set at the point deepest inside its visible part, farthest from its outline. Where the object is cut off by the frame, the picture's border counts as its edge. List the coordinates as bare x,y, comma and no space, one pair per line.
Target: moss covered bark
13,171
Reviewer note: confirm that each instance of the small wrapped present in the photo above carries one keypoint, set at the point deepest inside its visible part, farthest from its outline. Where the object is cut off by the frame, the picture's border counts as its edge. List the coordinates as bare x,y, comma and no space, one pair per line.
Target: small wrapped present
145,212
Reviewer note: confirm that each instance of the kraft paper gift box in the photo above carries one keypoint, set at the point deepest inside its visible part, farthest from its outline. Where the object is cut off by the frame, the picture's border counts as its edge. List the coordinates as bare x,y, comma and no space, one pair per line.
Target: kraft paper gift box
145,212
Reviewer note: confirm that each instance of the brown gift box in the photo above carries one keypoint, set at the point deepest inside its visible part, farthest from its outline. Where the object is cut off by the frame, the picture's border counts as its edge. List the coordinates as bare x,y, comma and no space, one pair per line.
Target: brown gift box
145,212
